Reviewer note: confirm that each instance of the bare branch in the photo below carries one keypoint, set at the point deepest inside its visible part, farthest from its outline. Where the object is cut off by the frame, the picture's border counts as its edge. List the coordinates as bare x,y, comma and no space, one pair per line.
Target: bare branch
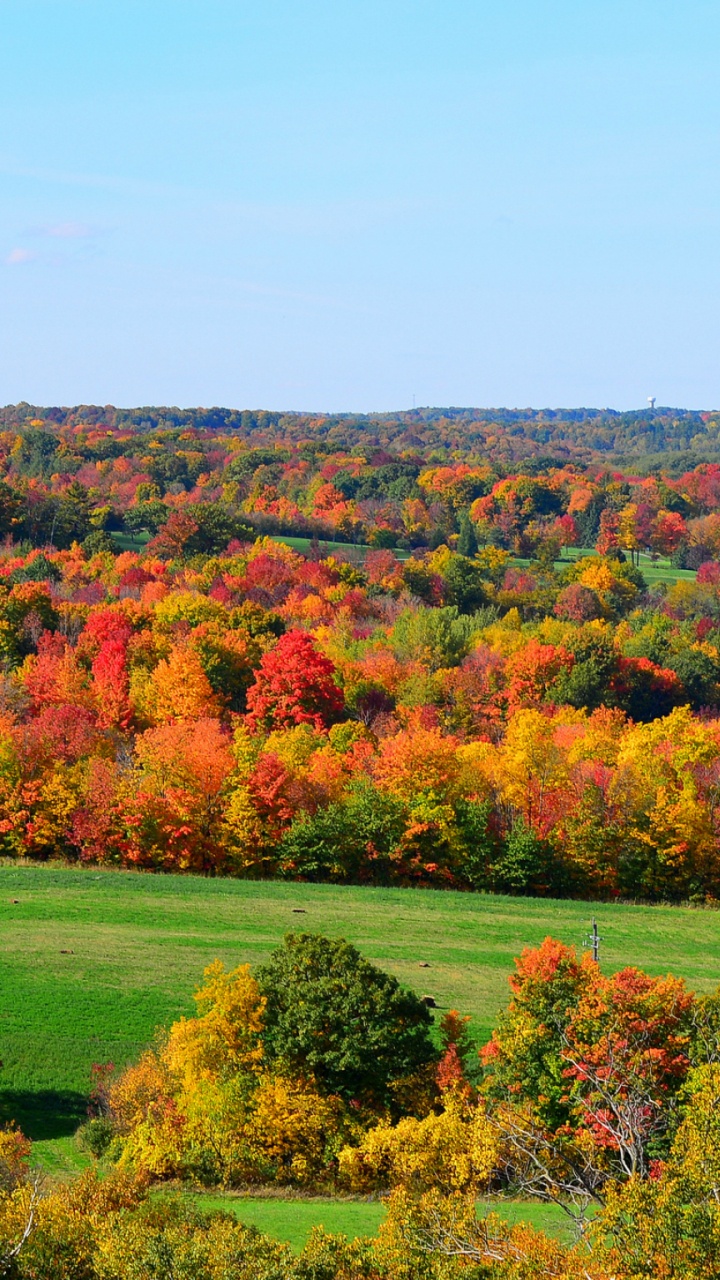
9,1257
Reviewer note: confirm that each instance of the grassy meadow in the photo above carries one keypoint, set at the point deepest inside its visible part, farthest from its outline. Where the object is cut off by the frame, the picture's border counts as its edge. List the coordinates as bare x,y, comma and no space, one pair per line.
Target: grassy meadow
355,550
654,569
291,1219
93,961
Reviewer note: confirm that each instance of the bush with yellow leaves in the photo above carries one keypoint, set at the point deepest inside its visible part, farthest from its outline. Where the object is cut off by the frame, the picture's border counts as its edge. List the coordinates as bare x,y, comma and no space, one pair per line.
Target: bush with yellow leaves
455,1150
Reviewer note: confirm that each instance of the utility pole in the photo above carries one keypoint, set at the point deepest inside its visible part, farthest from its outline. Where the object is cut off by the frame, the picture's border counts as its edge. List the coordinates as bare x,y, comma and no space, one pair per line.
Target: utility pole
593,941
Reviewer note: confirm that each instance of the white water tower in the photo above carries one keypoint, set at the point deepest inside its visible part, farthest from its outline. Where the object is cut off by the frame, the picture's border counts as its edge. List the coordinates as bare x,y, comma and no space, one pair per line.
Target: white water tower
651,402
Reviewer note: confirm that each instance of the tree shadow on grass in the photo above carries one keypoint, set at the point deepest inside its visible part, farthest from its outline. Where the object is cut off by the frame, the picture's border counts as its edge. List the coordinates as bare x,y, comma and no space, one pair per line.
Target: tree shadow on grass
45,1113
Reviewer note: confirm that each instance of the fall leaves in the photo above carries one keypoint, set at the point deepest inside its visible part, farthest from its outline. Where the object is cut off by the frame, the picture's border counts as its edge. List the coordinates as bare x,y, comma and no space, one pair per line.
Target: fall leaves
190,728
276,1072
597,1093
224,705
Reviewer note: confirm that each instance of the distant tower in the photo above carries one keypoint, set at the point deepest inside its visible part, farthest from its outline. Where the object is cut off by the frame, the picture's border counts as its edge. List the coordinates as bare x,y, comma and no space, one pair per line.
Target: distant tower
651,402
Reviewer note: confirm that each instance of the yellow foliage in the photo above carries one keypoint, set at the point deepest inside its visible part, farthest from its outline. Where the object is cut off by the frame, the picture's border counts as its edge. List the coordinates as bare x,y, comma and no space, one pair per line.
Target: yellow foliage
456,1150
246,749
599,577
503,637
242,827
278,550
189,607
199,1106
529,755
57,800
138,1090
294,746
343,737
14,1155
294,1129
179,689
696,1149
231,1010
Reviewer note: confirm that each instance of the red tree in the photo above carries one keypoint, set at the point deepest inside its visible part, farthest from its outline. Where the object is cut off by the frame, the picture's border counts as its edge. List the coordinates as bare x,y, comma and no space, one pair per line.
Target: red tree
175,534
294,685
111,686
577,603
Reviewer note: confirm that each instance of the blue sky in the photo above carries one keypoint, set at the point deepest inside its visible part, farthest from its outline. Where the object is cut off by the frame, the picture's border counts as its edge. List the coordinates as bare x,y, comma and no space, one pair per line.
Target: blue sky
345,204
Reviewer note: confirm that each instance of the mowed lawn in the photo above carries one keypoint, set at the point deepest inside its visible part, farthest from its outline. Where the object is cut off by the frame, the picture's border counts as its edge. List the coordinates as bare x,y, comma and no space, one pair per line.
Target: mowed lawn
92,962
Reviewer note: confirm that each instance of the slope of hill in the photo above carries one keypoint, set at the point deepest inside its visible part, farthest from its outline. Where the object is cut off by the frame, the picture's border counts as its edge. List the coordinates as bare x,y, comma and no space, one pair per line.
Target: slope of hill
94,962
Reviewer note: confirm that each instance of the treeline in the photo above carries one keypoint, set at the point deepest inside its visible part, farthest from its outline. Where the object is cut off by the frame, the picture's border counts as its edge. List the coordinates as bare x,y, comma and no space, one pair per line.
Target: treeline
481,690
84,481
518,433
445,720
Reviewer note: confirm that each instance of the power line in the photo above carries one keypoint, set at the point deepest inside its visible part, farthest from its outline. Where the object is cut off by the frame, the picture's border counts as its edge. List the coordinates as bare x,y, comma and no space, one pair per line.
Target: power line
593,940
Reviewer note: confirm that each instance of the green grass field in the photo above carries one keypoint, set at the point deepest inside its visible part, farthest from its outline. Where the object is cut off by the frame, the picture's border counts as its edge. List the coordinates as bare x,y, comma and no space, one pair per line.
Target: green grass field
130,541
355,550
653,571
291,1220
92,962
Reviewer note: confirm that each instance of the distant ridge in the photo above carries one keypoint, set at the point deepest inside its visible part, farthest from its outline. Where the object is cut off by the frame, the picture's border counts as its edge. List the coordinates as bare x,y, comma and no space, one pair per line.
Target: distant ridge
642,437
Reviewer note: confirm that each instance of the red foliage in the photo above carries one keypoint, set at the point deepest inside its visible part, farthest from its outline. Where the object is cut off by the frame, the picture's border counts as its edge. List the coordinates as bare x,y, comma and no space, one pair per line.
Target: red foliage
55,676
270,786
627,1048
450,1072
108,624
294,685
647,689
565,528
709,573
533,671
111,685
608,536
577,603
59,732
267,580
96,823
174,535
537,966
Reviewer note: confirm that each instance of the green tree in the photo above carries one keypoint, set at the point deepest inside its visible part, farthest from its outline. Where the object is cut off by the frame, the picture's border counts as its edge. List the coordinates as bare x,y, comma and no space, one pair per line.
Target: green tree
525,863
467,543
479,843
436,637
351,839
332,1015
699,674
465,584
588,683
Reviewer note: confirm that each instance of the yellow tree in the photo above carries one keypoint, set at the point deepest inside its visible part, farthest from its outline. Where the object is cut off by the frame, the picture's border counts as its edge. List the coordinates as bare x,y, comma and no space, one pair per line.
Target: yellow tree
179,689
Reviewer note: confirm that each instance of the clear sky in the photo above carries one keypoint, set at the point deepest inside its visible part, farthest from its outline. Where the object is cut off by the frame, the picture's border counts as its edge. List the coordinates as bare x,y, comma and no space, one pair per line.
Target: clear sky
345,204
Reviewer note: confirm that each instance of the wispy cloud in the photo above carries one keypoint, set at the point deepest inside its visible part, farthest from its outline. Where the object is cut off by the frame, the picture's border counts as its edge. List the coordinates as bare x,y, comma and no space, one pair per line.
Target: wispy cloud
17,257
69,231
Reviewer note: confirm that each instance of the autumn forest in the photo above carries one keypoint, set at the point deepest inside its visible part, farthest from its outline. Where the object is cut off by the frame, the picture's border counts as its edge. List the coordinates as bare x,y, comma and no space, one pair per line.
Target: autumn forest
445,650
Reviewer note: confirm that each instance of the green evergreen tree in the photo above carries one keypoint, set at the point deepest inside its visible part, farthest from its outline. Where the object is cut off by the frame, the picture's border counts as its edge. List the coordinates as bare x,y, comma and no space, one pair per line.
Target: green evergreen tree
467,543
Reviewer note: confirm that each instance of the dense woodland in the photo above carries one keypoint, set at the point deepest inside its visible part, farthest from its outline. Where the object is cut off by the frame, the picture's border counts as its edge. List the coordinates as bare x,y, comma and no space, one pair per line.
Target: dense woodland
505,435
473,686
